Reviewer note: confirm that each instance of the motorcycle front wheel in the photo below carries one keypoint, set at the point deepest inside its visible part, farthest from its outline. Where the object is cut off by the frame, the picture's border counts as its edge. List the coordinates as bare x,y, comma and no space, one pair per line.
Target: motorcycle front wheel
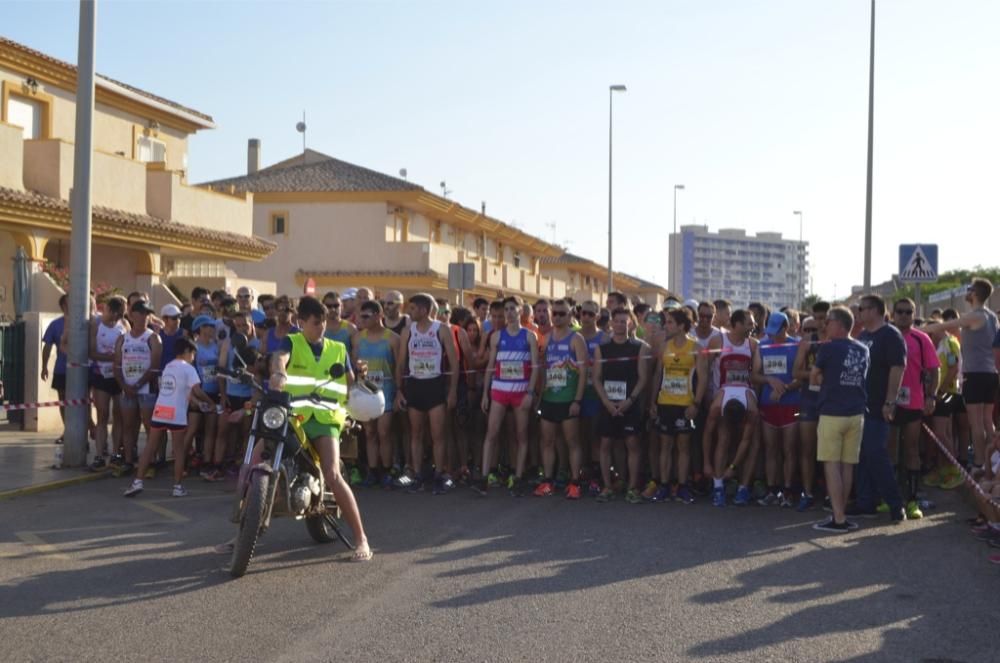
327,528
250,523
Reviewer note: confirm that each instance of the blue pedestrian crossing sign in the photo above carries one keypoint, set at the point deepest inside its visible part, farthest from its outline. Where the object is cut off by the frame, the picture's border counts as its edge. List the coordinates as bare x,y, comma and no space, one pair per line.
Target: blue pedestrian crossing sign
918,263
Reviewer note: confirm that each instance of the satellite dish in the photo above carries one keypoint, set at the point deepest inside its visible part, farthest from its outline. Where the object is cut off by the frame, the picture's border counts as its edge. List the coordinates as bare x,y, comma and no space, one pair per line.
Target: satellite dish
300,127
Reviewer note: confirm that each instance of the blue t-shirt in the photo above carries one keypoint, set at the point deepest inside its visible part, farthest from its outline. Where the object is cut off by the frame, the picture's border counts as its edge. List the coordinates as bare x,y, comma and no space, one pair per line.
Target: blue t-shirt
996,340
53,334
844,363
272,343
886,349
777,360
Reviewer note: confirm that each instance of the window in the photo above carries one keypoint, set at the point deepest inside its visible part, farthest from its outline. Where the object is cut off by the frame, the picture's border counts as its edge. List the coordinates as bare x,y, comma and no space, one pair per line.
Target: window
279,223
150,150
26,107
27,114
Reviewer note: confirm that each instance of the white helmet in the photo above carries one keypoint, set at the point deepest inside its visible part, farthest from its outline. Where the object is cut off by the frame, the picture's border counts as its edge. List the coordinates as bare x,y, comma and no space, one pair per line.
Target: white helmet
365,401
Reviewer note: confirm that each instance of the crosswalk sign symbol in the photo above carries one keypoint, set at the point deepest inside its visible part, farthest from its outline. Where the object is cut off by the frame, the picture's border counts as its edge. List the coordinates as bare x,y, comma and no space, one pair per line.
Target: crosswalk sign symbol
918,263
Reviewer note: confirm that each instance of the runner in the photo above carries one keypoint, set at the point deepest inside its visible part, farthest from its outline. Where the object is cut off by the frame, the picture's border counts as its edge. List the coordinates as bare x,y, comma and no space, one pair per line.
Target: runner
349,302
805,359
395,319
591,405
779,407
723,310
621,369
233,398
104,336
282,328
702,448
949,406
887,356
137,364
916,399
481,307
509,385
564,383
53,337
245,299
378,347
206,359
427,394
337,328
543,322
179,384
171,316
676,403
840,370
979,367
734,406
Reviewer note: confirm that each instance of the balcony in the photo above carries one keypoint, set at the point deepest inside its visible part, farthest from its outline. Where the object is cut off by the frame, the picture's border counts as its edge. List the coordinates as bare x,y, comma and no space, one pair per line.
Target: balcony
167,197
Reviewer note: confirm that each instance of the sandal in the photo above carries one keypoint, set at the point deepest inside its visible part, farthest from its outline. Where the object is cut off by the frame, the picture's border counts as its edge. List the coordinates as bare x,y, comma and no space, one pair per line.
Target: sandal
362,554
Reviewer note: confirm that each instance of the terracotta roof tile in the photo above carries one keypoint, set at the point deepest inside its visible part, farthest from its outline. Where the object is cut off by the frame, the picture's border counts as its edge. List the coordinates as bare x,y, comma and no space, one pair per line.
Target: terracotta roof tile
318,173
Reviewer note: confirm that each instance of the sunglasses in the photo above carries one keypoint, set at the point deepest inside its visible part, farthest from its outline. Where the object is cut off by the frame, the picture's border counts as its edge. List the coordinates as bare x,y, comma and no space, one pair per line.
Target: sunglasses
559,314
365,316
904,311
588,313
333,305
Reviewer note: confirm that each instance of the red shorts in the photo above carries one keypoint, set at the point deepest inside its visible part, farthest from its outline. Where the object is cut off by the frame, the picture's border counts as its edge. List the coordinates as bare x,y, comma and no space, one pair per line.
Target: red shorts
507,398
779,416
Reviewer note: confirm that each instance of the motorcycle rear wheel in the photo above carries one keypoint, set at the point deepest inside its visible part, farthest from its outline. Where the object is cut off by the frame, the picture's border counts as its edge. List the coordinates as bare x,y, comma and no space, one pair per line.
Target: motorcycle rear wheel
250,524
327,528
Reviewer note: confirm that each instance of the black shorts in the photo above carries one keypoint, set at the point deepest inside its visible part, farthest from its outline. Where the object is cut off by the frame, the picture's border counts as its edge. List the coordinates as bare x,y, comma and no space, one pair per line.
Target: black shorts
979,388
905,416
671,420
556,413
425,395
107,385
59,382
630,423
948,405
161,425
237,402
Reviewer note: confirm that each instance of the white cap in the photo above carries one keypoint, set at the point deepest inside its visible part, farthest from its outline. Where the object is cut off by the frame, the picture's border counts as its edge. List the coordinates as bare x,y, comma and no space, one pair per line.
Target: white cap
693,303
170,310
350,293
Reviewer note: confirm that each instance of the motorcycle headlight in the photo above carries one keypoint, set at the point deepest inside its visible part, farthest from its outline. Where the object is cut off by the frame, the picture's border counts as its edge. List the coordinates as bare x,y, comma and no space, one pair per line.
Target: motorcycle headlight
274,418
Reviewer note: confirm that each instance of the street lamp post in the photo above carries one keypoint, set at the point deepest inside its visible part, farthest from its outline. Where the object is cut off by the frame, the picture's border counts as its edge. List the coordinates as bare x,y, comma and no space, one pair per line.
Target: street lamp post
800,267
871,130
673,254
611,95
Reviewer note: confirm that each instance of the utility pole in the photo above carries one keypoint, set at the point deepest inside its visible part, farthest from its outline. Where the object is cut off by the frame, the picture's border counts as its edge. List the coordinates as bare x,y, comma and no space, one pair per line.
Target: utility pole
871,129
78,418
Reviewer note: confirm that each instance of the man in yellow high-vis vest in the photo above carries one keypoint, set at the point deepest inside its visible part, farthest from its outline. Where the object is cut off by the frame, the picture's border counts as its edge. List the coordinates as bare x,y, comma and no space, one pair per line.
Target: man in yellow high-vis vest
301,366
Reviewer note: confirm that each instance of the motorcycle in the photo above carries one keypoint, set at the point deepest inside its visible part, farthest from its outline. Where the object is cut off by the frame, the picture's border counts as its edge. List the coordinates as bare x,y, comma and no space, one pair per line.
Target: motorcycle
287,479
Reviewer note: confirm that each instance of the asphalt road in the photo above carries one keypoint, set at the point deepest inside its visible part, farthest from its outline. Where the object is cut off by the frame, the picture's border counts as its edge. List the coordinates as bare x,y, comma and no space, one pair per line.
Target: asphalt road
87,575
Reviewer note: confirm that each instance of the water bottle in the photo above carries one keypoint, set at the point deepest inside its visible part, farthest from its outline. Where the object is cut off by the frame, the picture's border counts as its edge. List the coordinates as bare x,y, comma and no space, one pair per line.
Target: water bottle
57,461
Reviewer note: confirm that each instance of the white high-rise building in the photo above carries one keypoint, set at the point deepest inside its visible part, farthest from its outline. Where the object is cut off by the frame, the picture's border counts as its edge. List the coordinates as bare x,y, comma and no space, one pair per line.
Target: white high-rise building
733,265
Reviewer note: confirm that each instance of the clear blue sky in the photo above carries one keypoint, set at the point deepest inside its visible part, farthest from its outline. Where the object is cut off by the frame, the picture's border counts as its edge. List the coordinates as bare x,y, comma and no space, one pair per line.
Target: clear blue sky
758,107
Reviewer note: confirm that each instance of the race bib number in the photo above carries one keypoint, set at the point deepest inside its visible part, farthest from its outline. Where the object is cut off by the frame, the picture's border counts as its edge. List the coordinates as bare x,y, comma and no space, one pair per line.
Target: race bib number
107,371
903,398
617,390
775,365
555,378
741,377
208,372
376,376
675,385
164,412
423,368
511,370
133,370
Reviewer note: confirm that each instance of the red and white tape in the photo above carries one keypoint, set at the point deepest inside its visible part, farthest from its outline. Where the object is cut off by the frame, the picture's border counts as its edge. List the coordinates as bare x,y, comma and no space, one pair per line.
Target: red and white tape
961,468
31,406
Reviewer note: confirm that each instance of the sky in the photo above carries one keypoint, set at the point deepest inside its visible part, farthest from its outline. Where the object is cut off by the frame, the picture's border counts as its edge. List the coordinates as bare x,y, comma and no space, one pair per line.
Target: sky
759,107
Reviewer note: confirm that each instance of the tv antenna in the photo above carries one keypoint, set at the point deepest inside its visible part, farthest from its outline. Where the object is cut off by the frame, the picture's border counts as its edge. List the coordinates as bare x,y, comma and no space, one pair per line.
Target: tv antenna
402,173
445,191
301,128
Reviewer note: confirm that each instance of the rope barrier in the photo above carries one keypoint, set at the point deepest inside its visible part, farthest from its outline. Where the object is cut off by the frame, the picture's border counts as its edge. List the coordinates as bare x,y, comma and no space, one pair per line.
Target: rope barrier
31,406
966,477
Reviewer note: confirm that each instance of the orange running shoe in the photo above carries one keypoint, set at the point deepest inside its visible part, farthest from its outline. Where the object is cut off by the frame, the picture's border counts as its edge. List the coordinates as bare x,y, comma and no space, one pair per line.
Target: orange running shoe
544,489
573,491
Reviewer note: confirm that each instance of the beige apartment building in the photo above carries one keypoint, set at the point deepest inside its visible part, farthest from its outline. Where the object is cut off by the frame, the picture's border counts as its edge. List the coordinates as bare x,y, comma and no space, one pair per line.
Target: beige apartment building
338,225
149,226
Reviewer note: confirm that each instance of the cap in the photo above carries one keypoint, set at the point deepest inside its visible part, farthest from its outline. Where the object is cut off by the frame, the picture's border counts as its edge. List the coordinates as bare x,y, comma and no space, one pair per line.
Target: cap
170,311
142,306
692,303
258,317
775,322
201,321
671,304
350,293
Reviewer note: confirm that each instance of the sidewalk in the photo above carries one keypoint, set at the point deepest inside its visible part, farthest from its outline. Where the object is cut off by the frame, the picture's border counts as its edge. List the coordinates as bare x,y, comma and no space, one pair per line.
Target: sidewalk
26,464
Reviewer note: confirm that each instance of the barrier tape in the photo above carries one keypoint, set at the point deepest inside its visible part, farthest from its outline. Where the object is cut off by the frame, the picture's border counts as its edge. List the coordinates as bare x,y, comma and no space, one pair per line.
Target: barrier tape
961,468
32,406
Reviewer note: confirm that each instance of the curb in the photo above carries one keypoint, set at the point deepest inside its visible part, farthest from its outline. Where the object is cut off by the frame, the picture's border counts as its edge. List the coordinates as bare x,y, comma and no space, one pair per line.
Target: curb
53,485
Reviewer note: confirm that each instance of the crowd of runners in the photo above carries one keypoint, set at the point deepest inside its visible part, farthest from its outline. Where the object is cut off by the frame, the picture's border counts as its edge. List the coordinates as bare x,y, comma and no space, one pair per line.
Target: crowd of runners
613,400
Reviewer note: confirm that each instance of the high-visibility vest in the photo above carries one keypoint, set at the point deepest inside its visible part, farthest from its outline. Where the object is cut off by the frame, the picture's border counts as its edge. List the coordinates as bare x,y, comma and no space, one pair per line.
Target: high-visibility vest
308,376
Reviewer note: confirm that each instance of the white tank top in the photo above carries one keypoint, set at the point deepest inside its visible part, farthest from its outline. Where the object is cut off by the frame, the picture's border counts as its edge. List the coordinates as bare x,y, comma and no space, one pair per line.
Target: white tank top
734,363
425,351
136,359
107,337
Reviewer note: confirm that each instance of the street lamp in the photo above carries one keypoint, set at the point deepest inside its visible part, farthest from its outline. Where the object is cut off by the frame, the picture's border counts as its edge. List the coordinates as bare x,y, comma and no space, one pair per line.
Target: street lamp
611,95
800,267
673,254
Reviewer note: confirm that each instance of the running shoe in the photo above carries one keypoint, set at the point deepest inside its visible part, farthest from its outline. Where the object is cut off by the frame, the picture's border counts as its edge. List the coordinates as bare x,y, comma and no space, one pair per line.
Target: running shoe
514,486
633,496
785,501
926,505
806,502
882,507
684,495
662,494
605,496
913,511
116,461
134,489
493,480
897,515
370,479
832,527
651,489
573,491
205,472
98,464
404,480
544,489
953,480
769,500
443,485
356,478
594,488
179,491
719,496
742,496
215,475
934,477
759,489
150,473
386,481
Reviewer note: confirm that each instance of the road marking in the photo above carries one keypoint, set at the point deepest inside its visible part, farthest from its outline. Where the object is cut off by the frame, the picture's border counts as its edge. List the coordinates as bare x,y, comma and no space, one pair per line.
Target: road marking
169,514
43,548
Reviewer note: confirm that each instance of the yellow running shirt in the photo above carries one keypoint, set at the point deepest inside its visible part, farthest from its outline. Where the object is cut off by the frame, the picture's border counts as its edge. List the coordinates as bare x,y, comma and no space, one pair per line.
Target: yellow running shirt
677,386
